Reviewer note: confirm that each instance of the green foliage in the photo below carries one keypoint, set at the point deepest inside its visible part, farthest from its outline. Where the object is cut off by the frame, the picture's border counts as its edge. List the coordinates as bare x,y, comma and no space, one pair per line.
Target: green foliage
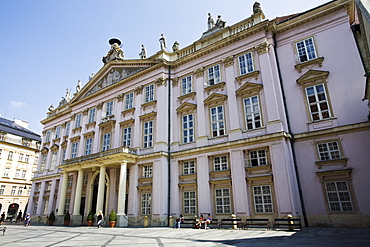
52,216
67,216
90,217
112,216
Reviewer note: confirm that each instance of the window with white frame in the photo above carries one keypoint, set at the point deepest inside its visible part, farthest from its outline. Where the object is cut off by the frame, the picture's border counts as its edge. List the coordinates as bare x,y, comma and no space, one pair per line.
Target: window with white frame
220,163
146,199
317,102
214,75
24,173
47,137
10,155
68,127
106,142
186,85
149,93
43,162
53,161
126,137
338,196
223,201
88,146
35,205
12,192
49,184
67,204
78,120
329,150
64,152
188,128
109,108
2,189
129,101
147,171
189,167
21,156
36,160
262,199
217,121
6,172
92,113
257,158
70,181
306,50
189,202
17,173
85,179
27,158
74,150
57,132
20,191
46,205
246,63
148,134
252,112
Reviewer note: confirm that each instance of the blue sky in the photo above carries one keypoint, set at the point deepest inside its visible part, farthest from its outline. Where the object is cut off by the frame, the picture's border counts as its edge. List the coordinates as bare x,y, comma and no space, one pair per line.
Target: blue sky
46,46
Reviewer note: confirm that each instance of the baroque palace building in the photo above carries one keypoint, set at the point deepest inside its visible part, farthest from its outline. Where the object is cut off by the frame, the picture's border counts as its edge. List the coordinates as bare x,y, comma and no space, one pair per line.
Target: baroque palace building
19,152
259,119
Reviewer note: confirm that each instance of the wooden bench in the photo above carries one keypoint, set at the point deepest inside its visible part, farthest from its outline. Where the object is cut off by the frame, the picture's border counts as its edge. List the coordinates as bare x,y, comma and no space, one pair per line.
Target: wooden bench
257,223
231,222
188,223
287,224
3,229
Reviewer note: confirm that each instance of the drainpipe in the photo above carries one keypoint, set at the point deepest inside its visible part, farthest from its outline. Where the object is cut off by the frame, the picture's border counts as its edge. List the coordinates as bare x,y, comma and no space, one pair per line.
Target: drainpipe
291,134
169,147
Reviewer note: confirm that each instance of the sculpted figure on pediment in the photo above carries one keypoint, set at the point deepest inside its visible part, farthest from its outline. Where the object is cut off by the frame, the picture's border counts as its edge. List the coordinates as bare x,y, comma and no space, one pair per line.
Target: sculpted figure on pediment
115,52
78,87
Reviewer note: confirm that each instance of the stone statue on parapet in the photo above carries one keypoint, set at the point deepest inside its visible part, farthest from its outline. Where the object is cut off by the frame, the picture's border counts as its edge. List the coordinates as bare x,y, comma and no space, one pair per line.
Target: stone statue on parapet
115,52
220,23
211,21
175,46
142,54
51,108
78,87
256,7
68,95
162,42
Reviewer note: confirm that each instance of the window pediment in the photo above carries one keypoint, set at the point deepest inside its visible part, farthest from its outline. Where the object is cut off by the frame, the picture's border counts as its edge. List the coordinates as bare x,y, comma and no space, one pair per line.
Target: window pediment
54,147
187,96
218,86
186,107
313,76
89,134
44,150
215,98
317,61
150,115
334,174
128,122
249,88
248,76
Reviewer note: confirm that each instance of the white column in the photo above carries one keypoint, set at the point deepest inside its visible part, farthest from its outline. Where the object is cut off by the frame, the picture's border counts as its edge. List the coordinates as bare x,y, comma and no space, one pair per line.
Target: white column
63,193
51,197
122,189
100,201
41,201
77,201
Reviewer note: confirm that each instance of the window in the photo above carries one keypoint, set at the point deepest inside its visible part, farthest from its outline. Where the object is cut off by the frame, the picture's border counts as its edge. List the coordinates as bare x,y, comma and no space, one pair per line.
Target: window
217,121
20,190
129,101
246,63
338,195
88,146
64,151
48,186
70,181
85,179
68,127
328,150
252,113
35,205
188,128
47,137
92,115
262,199
220,163
2,136
67,205
149,93
189,167
126,138
10,155
257,158
74,150
78,120
14,188
306,50
147,171
222,198
53,160
21,156
17,173
317,102
189,202
146,203
214,75
24,172
2,189
148,134
36,160
186,85
43,162
109,109
6,171
57,132
106,142
27,158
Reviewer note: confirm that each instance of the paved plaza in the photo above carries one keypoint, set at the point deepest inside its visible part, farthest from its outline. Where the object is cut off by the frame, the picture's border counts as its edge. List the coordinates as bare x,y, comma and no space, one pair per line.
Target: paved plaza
41,235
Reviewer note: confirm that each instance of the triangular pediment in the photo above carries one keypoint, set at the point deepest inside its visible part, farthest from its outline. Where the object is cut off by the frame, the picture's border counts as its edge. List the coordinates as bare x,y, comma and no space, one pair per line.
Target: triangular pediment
215,98
313,76
248,88
44,150
186,107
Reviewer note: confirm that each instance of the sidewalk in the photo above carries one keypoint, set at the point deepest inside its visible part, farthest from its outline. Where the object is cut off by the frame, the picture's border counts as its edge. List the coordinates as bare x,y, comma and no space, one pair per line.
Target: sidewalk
41,235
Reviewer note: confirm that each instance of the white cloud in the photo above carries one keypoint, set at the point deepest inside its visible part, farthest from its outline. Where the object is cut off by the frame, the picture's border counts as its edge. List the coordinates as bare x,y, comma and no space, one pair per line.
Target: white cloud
18,104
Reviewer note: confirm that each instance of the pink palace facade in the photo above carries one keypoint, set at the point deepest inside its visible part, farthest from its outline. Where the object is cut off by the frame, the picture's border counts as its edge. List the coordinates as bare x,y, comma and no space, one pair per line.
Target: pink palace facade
259,119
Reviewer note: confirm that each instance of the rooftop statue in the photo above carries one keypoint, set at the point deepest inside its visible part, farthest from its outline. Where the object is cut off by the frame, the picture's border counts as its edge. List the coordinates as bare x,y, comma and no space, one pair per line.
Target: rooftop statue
211,21
78,87
142,54
220,23
115,52
175,46
256,7
51,108
162,42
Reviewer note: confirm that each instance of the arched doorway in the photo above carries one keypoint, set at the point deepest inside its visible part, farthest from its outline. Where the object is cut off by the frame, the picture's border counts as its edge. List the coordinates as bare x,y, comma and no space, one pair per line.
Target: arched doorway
12,210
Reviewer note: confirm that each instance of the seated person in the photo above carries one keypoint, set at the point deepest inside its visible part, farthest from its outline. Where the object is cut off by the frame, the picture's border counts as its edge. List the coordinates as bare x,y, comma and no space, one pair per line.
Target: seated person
208,221
179,221
199,222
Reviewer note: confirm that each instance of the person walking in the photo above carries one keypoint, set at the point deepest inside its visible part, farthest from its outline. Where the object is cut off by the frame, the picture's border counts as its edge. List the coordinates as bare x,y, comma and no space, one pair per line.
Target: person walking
99,218
27,220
